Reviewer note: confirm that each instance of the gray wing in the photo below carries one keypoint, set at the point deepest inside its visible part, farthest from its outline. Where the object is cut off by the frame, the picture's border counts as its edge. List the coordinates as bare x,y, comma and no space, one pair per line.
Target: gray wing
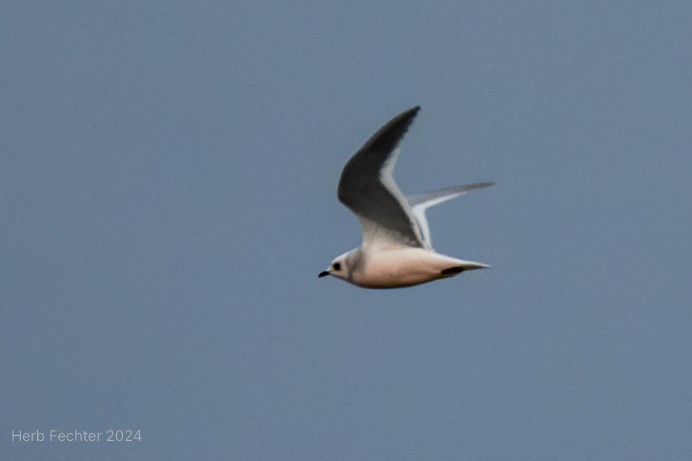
368,189
421,202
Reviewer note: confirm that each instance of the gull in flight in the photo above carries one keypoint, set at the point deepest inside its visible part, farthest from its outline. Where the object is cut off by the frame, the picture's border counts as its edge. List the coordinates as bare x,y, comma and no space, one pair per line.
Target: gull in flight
396,249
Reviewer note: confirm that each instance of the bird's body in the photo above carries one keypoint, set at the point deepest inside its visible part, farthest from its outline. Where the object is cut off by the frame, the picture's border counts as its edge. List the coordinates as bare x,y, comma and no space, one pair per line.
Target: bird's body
400,267
396,249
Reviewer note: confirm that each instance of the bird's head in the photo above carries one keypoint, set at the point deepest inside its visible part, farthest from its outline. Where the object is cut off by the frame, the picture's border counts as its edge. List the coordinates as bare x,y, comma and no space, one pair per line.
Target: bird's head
340,267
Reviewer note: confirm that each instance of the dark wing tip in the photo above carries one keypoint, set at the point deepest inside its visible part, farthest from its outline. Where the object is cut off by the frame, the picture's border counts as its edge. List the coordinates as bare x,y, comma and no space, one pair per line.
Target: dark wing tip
481,185
414,109
408,115
386,139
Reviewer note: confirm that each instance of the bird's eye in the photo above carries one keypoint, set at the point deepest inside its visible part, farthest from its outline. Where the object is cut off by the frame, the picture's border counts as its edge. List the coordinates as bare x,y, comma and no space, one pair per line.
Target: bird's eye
336,266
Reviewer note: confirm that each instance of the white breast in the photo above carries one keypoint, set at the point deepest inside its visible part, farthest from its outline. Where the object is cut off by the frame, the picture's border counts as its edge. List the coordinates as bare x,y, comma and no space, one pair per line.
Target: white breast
402,267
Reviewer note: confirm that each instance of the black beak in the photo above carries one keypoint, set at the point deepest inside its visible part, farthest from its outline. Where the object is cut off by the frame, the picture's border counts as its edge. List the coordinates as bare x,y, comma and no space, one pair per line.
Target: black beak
323,273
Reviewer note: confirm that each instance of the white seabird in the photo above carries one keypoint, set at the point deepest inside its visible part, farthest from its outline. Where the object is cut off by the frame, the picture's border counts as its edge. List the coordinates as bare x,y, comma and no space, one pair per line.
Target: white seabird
396,249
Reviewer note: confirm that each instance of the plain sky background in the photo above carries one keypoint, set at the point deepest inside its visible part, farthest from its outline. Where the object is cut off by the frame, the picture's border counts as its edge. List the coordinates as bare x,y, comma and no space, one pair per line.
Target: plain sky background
168,178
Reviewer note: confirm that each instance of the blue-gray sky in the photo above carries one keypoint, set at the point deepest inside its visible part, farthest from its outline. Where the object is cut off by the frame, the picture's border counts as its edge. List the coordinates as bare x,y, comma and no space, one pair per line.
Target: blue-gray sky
167,190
